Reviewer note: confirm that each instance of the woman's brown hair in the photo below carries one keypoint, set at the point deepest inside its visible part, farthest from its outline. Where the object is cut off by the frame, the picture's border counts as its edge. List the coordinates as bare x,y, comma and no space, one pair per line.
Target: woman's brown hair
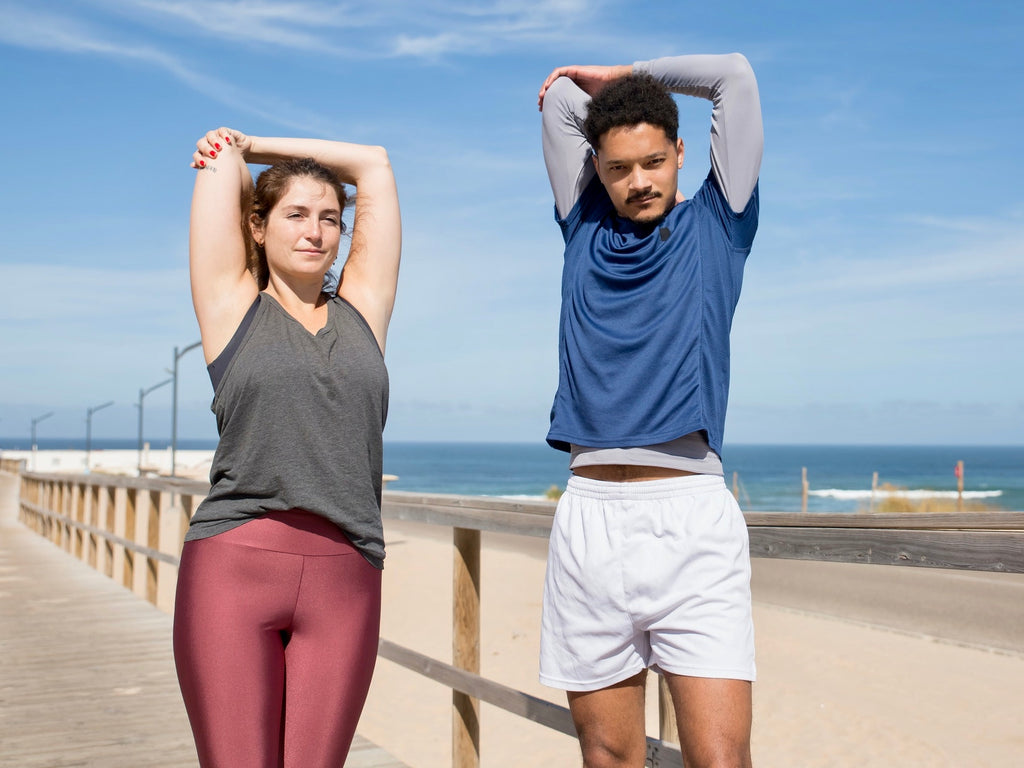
271,186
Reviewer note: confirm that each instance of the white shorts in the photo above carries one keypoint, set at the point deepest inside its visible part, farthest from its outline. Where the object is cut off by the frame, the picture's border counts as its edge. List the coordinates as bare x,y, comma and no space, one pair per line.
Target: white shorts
651,574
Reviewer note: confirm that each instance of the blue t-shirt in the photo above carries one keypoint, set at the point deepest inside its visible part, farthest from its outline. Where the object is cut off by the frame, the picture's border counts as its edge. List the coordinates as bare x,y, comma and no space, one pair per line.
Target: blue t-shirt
645,321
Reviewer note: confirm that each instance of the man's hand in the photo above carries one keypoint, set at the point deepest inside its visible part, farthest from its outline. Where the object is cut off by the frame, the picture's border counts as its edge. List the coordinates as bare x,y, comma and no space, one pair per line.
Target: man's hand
590,79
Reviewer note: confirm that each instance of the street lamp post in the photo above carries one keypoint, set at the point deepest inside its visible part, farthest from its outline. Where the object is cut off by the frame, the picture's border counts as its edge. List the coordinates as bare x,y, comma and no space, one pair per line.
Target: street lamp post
142,397
174,406
88,429
35,421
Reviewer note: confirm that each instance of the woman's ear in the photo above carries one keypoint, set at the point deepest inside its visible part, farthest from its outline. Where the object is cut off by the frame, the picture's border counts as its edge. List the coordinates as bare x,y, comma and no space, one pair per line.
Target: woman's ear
256,229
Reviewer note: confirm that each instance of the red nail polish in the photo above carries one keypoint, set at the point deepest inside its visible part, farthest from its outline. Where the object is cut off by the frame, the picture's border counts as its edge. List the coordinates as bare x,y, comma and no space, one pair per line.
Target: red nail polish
213,154
202,163
227,139
216,146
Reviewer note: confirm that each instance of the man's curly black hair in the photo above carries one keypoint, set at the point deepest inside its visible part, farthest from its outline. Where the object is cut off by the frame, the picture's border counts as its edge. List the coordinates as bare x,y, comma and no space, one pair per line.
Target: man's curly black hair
634,99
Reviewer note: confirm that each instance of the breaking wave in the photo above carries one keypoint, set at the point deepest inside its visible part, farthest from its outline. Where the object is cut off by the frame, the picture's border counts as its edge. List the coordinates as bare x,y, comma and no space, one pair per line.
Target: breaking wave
891,493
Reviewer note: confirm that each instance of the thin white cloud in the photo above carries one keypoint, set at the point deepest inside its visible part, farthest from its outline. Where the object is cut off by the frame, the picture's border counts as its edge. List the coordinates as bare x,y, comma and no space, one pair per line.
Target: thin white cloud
993,260
281,24
42,31
429,30
433,46
971,225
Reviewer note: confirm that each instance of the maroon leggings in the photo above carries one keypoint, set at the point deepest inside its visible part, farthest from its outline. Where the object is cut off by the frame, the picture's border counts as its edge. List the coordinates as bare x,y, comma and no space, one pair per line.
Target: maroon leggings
275,637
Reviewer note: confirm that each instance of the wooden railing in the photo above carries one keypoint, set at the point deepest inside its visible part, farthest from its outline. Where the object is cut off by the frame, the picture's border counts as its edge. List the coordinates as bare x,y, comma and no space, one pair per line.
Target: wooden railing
14,466
132,528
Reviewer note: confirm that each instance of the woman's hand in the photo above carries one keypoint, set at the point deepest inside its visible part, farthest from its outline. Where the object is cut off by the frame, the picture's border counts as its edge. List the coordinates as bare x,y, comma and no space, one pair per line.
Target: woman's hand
214,142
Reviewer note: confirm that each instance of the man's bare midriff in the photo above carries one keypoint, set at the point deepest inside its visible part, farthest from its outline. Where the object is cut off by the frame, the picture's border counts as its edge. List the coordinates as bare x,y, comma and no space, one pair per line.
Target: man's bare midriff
627,473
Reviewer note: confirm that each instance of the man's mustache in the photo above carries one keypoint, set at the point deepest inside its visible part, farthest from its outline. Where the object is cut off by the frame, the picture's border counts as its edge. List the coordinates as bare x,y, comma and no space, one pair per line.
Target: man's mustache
649,195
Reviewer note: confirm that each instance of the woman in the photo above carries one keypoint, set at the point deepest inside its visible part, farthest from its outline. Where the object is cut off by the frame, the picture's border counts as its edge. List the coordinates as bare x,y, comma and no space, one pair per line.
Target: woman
278,605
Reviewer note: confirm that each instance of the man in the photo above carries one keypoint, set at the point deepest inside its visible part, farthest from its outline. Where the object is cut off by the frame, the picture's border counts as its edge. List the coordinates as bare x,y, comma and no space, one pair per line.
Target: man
648,564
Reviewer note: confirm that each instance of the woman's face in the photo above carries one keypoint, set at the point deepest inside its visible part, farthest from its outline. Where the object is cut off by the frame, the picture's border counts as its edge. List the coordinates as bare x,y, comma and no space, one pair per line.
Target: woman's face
302,232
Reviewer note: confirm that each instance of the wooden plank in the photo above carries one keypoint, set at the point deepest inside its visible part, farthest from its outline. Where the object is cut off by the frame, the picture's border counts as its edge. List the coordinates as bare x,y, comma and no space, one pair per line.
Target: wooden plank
456,501
149,552
88,676
659,754
519,703
996,521
485,516
160,485
1001,551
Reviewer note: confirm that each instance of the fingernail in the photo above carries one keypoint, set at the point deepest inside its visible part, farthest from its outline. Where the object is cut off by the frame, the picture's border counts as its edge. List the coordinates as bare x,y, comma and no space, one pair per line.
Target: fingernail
227,139
216,146
202,163
212,153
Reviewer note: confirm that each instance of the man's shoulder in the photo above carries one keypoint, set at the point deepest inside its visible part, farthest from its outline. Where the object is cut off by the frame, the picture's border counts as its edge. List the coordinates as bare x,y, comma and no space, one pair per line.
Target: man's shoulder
712,197
591,207
712,207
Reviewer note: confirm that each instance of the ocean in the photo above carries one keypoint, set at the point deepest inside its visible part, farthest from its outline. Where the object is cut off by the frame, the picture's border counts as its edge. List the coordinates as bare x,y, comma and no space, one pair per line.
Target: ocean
768,477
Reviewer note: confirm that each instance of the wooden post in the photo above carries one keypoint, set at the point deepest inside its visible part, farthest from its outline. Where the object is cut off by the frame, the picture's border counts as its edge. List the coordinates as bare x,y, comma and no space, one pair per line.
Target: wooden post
74,513
171,532
804,489
140,535
65,501
131,502
104,515
960,486
668,728
466,646
91,514
152,540
874,489
44,498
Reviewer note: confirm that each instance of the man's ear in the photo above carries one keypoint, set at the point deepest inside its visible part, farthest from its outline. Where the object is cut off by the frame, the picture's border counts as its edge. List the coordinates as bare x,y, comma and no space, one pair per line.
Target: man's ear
680,152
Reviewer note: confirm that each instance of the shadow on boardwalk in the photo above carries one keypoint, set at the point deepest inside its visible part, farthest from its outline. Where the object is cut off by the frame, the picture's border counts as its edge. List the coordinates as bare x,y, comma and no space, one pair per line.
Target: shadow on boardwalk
86,670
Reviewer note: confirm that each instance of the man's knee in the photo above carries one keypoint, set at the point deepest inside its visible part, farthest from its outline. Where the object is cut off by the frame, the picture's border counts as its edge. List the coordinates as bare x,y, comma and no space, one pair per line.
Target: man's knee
610,724
600,752
721,754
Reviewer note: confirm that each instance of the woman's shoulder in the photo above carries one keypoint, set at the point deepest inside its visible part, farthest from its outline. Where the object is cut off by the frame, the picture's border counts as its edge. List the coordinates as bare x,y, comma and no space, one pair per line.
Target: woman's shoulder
347,316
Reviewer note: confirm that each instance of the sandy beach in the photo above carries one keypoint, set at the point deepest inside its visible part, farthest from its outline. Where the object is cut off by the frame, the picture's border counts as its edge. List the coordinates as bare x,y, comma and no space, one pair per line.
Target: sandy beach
194,465
830,692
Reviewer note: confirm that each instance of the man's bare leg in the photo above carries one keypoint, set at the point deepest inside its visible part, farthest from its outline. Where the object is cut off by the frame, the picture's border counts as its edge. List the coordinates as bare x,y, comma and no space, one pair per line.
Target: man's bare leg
610,724
714,718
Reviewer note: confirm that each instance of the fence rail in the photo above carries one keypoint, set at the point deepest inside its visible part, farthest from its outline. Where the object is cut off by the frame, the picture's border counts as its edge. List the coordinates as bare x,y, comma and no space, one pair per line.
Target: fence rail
132,529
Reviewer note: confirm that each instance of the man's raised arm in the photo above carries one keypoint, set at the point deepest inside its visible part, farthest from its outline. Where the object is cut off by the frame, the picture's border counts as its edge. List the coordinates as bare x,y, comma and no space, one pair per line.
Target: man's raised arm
566,151
737,135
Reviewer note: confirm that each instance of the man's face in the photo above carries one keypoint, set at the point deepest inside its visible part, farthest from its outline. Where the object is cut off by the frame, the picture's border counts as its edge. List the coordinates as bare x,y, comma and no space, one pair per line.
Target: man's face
639,168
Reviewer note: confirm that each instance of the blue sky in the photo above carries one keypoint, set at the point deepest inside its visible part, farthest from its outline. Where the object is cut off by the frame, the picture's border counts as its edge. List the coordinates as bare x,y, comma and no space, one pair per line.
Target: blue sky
882,302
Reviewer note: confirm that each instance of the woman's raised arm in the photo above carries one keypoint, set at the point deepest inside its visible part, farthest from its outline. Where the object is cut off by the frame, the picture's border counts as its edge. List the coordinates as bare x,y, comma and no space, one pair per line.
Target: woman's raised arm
370,276
222,286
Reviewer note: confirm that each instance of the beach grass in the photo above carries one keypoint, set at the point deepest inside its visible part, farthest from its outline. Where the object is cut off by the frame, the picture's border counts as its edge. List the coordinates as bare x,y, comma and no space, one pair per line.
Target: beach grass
894,499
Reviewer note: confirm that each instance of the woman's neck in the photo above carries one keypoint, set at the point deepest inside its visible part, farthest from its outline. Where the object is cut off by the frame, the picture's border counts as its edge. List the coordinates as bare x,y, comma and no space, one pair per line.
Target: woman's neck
305,301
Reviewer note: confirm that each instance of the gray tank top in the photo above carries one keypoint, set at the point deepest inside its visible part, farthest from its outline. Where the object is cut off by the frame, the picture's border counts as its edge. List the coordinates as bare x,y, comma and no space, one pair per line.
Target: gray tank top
300,418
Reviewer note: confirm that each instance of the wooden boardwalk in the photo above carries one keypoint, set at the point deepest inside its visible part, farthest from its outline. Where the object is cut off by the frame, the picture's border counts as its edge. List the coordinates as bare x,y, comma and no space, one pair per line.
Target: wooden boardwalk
86,672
